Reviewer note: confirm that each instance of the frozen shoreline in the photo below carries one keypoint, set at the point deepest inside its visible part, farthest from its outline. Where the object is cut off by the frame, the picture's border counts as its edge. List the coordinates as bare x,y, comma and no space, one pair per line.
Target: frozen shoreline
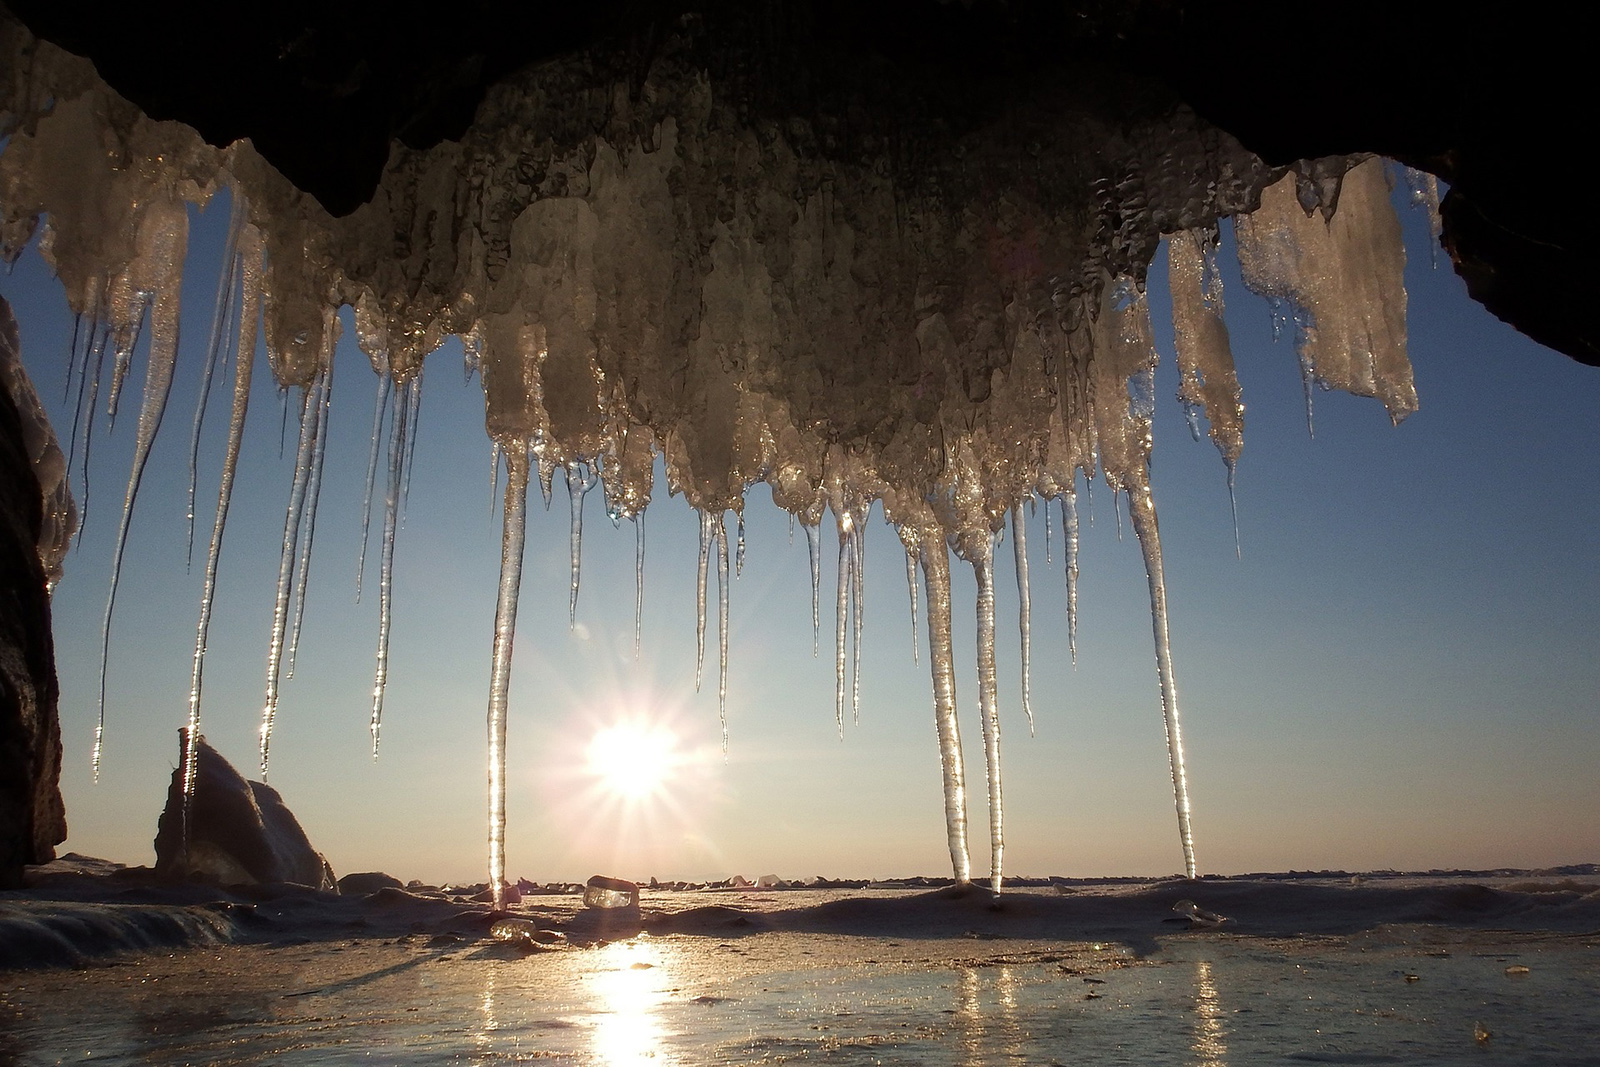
78,910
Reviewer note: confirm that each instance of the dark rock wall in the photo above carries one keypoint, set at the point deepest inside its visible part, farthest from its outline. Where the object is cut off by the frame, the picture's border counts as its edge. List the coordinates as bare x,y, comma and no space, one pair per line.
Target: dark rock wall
32,819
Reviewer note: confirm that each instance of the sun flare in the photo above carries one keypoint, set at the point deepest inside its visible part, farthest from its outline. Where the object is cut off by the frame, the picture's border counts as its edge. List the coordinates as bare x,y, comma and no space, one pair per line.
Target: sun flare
633,761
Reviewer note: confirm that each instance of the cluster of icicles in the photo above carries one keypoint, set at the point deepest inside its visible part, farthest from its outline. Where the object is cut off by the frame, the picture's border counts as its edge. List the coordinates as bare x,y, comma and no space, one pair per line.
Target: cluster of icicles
737,341
145,297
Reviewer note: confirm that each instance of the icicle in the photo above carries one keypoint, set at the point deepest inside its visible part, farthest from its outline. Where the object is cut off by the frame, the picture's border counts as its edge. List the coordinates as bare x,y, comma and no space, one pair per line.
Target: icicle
1233,506
1208,382
841,611
722,629
1342,281
941,660
1069,528
82,363
505,627
989,710
1049,557
858,596
166,256
700,599
547,478
814,548
86,411
738,565
391,523
244,350
791,529
494,477
283,418
1142,512
580,479
313,493
912,555
638,580
74,364
1019,552
286,560
122,347
1424,188
413,424
379,407
221,316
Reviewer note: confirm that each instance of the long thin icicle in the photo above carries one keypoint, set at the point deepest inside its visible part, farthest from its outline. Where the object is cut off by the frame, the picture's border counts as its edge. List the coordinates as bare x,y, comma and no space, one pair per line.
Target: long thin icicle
286,558
391,522
85,412
247,320
638,580
167,252
580,479
1019,551
308,520
700,598
1069,526
858,597
379,407
814,549
1142,513
722,628
413,425
221,317
1049,557
494,477
912,556
841,611
989,709
505,628
941,661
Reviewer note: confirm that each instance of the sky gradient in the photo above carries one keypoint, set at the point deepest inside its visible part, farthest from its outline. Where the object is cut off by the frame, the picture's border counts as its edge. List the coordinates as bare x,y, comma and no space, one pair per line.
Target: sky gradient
1398,673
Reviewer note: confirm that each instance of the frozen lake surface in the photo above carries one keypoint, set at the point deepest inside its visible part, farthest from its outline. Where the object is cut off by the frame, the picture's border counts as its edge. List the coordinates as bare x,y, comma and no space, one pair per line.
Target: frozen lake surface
1413,971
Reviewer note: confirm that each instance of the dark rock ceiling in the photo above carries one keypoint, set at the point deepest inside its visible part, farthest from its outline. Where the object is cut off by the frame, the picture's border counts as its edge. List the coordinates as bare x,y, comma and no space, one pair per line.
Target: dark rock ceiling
1492,99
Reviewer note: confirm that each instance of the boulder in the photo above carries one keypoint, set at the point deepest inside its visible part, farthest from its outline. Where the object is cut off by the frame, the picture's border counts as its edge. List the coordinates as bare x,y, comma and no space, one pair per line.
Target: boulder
368,882
240,832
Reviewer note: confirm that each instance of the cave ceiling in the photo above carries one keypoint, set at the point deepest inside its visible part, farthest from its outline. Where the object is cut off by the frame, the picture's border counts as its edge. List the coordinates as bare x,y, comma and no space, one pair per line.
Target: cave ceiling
1487,97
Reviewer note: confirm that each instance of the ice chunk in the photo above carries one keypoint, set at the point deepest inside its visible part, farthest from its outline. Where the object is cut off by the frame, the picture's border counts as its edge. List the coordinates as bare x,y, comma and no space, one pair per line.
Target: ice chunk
1343,278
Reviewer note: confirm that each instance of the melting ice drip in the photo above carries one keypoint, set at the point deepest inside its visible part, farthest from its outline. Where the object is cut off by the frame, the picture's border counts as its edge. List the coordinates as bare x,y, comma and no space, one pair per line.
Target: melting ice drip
842,338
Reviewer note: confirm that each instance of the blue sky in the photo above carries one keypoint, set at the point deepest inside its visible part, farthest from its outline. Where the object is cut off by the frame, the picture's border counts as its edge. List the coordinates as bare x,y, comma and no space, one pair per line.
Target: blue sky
1399,672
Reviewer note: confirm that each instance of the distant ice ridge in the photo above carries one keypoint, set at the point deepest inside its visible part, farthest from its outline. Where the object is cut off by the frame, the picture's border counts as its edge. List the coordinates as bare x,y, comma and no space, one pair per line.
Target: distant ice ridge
641,273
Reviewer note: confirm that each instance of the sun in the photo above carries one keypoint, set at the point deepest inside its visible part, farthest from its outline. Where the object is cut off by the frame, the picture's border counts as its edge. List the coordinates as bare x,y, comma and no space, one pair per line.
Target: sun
633,761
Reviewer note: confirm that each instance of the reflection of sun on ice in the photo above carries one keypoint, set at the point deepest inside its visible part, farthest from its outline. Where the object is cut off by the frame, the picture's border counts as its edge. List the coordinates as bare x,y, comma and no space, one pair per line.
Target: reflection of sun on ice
633,761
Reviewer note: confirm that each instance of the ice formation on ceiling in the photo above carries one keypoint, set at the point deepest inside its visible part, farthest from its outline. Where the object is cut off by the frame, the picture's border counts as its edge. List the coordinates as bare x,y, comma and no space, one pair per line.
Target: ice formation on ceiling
949,328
